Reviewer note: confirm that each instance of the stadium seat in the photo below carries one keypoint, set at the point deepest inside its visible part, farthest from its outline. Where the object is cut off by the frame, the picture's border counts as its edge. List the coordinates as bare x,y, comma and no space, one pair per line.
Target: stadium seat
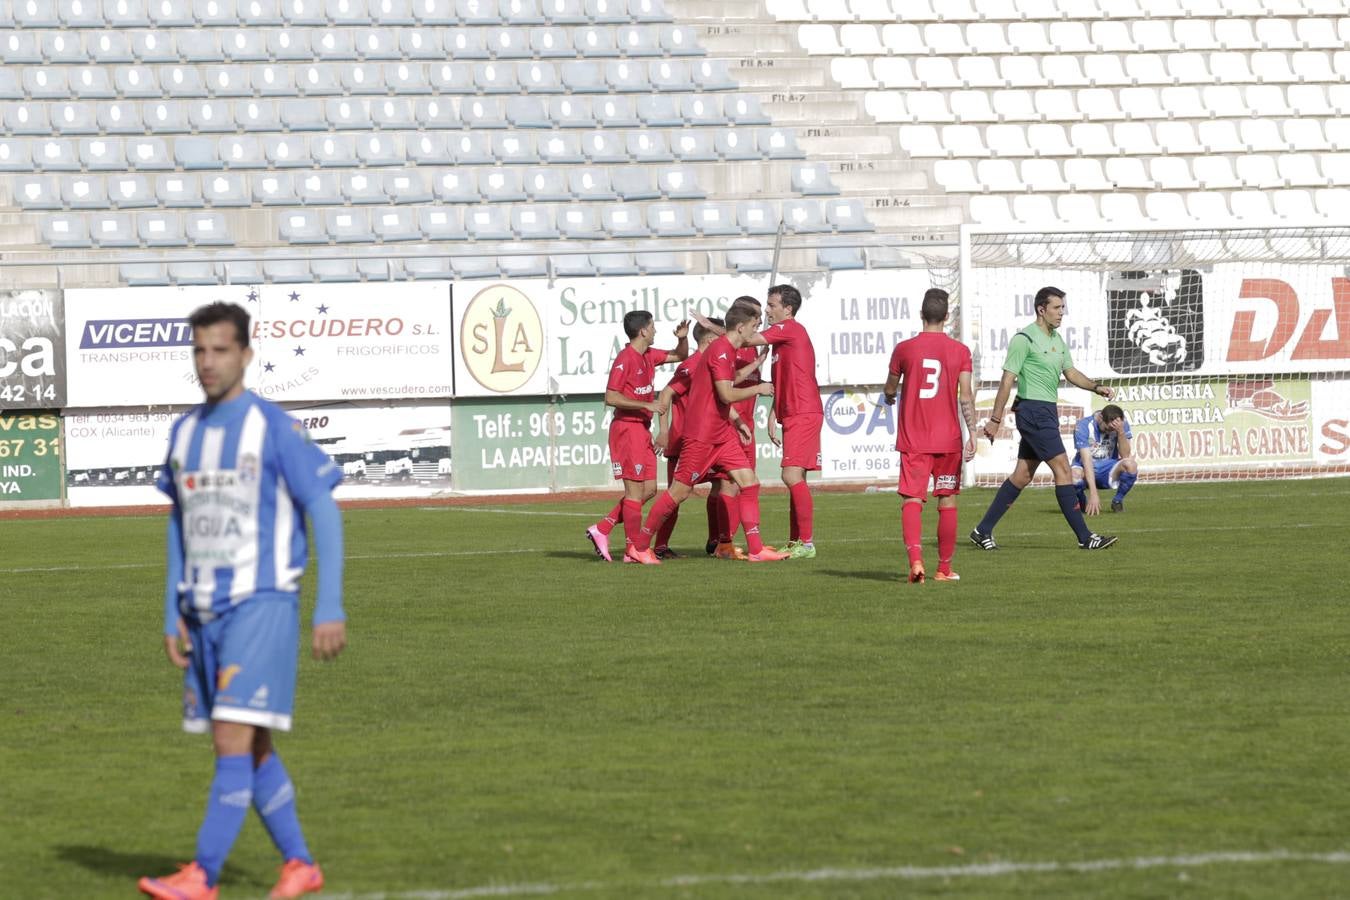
349,226
670,75
178,190
112,230
239,271
430,149
144,274
290,44
380,150
575,112
547,185
531,223
803,217
205,229
329,270
514,147
840,258
65,230
616,112
659,111
475,266
482,112
274,189
528,112
286,271
472,148
623,221
561,148
579,222
407,186
521,266
27,118
633,183
591,184
614,265
363,187
226,189
680,183
441,223
604,147
488,223
77,192
757,217
695,146
501,185
160,229
648,147
56,155
457,187
736,144
750,259
571,265
14,156
128,191
669,220
583,77
317,188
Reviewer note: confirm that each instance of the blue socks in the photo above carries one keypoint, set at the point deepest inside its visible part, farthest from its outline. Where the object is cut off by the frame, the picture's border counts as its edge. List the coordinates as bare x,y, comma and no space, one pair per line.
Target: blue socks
226,808
1007,493
1067,495
1126,482
274,799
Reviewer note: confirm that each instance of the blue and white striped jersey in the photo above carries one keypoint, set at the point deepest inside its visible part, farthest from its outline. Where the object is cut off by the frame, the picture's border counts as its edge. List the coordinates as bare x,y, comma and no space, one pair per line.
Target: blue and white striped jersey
1088,435
240,474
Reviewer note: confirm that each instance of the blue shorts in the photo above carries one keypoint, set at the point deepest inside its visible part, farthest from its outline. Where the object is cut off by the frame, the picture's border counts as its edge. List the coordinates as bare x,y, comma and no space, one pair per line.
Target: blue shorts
242,665
1038,423
1105,470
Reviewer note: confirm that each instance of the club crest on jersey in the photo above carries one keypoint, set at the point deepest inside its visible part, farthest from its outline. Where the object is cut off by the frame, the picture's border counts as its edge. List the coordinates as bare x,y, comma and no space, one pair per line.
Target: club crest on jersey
248,467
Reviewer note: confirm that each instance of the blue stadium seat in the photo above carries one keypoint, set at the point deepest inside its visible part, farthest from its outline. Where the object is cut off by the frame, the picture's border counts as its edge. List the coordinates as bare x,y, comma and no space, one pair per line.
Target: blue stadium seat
26,118
680,183
778,143
465,43
714,219
532,223
561,148
60,47
112,230
19,47
226,189
501,185
670,75
509,43
623,221
115,117
144,274
648,147
698,110
243,45
396,224
847,215
437,112
594,42
744,109
583,76
441,223
457,187
520,12
166,117
347,114
363,78
363,187
405,79
614,265
349,226
659,111
14,156
192,273
591,184
435,12
393,12
488,223
546,185
495,78
274,189
475,266
90,82
634,183
579,222
380,150
110,47
148,154
813,179
303,115
347,12
125,13
289,45
178,190
482,112
669,220
83,192
603,147
66,230
80,14
160,229
550,43
318,81
757,217
429,150
528,112
154,46
171,14
638,40
472,148
318,188
136,82
206,229
198,46
241,152
565,12
286,151
257,115
803,217
695,146
210,116
227,81
407,186
46,83
713,75
680,40
538,77
333,45
421,43
613,12
74,118
571,112
616,112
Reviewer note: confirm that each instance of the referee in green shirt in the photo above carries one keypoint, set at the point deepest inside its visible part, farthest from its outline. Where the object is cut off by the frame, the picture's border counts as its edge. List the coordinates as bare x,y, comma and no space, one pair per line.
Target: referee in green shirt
1036,357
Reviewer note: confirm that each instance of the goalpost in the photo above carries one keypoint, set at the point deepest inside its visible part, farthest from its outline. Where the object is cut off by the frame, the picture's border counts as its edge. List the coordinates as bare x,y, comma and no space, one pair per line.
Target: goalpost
1229,350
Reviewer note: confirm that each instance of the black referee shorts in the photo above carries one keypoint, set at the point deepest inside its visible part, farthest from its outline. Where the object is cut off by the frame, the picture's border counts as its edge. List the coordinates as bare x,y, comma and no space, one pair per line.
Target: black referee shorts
1038,423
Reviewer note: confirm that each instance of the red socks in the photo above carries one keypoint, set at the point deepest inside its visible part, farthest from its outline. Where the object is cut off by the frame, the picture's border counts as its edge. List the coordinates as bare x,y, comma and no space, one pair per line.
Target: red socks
667,528
749,516
632,520
606,525
911,526
661,510
946,537
802,511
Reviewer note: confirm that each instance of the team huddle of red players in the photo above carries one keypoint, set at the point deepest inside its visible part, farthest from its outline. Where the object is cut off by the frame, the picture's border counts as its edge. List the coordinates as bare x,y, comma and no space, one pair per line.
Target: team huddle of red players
707,429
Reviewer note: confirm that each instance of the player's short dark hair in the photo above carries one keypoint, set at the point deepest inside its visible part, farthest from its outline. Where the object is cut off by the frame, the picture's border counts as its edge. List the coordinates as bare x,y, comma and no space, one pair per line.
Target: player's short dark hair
789,296
635,321
1111,412
934,308
1044,296
739,314
748,300
214,313
700,332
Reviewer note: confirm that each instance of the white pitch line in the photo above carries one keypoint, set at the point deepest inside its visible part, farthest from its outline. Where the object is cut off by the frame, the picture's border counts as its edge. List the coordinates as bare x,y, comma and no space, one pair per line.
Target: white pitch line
434,554
891,873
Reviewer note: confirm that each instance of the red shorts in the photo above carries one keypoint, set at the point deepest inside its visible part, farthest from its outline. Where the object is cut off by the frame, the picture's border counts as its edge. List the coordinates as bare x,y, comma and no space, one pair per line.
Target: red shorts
915,469
631,453
699,458
801,441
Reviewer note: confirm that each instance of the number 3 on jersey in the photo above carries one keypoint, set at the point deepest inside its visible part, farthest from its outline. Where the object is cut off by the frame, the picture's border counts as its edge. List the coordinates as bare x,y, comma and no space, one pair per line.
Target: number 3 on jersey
932,371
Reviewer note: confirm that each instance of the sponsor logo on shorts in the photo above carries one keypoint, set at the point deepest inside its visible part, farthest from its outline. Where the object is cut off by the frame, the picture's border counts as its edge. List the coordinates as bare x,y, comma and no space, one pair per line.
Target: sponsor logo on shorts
944,483
618,468
259,698
227,675
638,468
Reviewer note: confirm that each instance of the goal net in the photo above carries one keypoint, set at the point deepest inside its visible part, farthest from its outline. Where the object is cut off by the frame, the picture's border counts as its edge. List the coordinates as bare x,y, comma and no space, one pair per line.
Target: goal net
1229,350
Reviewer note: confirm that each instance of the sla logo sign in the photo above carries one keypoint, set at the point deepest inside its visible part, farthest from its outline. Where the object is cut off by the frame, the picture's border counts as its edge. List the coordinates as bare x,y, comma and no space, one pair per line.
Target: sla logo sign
501,339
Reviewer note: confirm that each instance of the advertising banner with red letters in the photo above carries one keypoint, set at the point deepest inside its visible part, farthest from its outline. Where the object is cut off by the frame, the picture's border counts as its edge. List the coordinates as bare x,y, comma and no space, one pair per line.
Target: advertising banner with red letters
310,342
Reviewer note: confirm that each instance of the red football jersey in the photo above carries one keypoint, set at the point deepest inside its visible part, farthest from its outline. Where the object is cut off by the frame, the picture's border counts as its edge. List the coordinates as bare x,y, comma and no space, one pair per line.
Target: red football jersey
746,408
706,416
795,390
929,365
679,385
631,375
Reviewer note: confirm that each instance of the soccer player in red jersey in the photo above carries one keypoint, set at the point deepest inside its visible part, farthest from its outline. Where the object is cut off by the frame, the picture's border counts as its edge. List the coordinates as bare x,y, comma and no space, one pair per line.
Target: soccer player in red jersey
630,392
930,371
711,441
796,405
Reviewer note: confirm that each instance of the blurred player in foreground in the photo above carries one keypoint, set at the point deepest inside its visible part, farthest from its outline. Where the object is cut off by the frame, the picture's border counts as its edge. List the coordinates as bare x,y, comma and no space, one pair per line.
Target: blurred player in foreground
931,371
242,475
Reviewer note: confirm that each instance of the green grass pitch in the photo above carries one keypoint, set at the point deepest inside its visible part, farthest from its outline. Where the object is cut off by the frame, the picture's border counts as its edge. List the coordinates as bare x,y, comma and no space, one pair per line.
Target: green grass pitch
513,714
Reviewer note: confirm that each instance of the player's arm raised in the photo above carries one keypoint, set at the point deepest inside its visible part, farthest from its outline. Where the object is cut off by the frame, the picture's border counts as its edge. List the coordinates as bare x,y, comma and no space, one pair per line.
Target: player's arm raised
1123,440
681,351
1078,379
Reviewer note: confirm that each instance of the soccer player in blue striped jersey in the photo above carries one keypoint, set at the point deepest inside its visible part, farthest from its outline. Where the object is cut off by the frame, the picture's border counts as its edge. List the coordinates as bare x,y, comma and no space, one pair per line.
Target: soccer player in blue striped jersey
242,476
